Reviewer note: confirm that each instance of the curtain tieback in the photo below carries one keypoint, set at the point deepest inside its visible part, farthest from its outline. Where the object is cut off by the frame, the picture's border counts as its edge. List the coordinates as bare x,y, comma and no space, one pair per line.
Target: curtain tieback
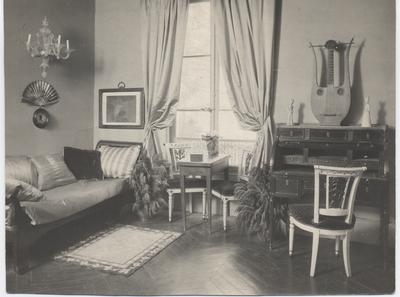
266,128
148,129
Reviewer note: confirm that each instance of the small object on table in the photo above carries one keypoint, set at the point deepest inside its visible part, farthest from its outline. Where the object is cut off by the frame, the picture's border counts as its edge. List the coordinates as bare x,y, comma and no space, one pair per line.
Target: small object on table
196,157
211,140
366,117
290,114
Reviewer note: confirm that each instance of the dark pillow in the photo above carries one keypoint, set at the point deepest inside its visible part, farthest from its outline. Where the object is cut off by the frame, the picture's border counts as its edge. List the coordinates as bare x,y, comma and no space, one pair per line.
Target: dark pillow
84,164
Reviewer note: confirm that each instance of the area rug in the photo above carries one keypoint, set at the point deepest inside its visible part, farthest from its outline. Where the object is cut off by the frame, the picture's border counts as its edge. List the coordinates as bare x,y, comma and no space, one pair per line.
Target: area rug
121,249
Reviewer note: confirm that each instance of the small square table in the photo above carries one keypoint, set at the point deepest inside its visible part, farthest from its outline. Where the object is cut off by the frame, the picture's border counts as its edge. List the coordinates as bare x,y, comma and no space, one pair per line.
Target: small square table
205,168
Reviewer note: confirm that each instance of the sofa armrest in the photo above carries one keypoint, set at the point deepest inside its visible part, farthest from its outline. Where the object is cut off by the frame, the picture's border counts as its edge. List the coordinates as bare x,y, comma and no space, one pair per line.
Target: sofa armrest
13,207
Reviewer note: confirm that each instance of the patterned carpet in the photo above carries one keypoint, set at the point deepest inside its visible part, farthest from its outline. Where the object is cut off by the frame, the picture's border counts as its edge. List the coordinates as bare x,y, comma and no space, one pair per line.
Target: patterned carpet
121,249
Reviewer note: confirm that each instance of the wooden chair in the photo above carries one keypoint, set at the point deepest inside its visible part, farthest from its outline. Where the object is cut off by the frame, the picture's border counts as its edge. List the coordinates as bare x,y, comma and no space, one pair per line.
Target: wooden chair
333,218
224,189
176,152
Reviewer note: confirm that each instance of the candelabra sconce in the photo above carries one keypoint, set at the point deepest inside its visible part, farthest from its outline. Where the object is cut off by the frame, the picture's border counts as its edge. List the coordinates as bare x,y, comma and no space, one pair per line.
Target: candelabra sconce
46,46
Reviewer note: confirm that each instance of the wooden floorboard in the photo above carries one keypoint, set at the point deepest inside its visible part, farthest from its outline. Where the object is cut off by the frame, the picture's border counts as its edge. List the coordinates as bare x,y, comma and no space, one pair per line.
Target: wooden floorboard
223,263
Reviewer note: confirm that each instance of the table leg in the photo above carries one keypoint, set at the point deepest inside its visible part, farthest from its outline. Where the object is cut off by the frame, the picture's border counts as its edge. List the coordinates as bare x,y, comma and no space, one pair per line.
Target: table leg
271,223
183,202
208,182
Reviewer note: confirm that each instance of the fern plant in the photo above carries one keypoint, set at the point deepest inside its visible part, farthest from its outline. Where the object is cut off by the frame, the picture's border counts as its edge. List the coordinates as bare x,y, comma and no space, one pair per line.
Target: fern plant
254,205
149,184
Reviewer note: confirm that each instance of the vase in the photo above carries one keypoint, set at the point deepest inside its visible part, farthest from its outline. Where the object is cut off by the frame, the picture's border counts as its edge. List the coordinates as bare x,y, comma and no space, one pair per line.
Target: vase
212,147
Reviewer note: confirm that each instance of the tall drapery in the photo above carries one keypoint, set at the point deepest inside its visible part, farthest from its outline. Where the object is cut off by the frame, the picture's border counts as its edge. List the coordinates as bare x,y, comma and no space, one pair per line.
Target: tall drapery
163,35
244,35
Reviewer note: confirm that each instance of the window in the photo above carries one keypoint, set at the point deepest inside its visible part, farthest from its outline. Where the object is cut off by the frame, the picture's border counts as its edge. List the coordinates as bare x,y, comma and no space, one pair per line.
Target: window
204,99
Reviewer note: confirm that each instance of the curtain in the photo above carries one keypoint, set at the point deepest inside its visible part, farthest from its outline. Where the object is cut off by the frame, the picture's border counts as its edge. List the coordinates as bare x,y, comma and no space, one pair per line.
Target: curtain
163,35
244,36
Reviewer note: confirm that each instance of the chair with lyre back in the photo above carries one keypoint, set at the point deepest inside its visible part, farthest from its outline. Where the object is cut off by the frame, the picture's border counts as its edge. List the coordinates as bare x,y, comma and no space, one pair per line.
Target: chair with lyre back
332,215
174,153
224,189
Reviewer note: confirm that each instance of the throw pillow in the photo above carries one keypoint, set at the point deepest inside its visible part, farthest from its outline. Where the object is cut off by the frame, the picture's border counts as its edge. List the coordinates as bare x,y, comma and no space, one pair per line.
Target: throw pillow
84,164
27,192
21,168
118,162
52,171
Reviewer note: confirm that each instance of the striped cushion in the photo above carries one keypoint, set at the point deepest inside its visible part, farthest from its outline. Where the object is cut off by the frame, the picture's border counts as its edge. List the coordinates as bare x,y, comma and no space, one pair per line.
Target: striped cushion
52,171
118,162
21,168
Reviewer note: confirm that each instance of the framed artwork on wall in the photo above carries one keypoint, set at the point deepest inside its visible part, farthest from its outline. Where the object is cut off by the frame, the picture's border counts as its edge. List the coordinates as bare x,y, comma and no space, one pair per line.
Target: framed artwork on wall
121,108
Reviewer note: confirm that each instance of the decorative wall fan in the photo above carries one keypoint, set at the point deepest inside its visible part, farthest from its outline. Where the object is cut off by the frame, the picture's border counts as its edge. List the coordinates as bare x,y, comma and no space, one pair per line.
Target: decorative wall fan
40,93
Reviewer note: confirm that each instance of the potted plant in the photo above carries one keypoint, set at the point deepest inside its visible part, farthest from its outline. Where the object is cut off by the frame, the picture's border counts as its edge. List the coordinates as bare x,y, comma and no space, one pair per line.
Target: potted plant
254,204
148,184
211,140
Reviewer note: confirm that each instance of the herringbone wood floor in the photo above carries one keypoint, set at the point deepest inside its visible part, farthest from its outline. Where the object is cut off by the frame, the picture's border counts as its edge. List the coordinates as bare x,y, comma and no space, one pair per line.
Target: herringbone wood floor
221,264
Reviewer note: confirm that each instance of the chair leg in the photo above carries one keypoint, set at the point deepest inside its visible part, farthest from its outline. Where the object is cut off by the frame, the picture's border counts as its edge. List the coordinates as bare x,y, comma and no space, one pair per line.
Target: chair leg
291,235
170,206
314,253
224,211
346,254
190,203
204,203
337,245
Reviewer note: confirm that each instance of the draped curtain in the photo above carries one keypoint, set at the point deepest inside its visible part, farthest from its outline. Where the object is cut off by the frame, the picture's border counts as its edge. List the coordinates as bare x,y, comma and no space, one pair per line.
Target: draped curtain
244,37
164,27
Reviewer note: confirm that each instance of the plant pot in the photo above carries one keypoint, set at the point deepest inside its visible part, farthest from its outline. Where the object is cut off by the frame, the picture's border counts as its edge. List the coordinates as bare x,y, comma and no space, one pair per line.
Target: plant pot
212,147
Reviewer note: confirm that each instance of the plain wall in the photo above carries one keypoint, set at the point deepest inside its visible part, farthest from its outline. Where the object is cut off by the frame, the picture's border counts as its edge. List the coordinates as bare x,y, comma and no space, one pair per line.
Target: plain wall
72,118
118,57
372,60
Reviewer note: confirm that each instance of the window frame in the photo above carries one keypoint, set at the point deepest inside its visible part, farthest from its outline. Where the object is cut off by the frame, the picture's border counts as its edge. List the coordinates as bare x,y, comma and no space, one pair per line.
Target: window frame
214,106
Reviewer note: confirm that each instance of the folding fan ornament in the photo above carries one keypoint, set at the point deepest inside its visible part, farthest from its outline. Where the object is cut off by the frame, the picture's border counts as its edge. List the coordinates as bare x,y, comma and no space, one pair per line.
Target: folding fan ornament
40,93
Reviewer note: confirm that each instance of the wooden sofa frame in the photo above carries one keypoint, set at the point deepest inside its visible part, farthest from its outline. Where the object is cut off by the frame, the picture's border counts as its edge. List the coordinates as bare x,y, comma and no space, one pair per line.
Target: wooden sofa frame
22,235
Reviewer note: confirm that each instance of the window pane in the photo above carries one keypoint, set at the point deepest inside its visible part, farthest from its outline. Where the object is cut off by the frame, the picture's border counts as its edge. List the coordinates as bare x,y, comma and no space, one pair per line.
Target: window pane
195,83
191,124
229,127
197,39
224,95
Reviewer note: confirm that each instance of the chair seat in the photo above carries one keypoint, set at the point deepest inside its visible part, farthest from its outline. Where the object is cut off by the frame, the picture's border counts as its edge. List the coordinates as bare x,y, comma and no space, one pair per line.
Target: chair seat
175,183
224,187
304,213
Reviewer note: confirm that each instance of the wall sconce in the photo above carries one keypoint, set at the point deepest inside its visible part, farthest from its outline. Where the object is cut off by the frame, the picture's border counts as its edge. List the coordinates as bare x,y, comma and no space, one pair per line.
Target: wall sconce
46,46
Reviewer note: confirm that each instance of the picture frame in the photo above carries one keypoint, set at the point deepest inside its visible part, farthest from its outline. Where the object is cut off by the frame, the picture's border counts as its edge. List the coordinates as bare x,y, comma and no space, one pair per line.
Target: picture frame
121,108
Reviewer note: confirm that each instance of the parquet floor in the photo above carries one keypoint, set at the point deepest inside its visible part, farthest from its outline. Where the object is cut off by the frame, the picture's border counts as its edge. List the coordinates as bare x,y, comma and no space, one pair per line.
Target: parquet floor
225,263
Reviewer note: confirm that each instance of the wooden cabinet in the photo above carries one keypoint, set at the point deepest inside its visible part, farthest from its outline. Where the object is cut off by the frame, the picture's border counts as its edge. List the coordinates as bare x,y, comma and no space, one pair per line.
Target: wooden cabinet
308,145
298,148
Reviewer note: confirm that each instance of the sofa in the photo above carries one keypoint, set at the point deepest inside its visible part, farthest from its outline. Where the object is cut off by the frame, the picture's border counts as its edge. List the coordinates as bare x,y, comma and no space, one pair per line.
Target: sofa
75,187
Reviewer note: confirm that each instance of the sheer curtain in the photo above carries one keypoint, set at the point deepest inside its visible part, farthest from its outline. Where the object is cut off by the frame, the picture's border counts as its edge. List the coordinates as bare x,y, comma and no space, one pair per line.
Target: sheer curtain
244,37
164,27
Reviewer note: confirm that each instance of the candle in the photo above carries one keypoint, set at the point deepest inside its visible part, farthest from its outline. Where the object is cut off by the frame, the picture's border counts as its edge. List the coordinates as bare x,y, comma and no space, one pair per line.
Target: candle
29,39
67,45
59,42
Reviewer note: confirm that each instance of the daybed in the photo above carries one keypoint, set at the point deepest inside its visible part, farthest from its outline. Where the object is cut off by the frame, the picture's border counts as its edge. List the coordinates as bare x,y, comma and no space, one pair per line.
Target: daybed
28,221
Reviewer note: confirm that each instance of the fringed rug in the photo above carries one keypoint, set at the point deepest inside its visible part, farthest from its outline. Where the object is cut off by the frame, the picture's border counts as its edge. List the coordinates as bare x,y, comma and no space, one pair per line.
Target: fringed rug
121,249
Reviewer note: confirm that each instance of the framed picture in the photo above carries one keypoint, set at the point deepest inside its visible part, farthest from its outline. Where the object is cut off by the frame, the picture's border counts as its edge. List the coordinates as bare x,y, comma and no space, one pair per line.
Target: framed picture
121,108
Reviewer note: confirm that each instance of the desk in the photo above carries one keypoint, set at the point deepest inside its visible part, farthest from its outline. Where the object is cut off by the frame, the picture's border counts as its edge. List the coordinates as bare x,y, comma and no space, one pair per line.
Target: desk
298,148
206,168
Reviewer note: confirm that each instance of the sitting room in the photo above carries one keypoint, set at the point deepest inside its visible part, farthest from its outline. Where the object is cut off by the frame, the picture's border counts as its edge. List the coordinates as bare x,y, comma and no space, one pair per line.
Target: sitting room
199,147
